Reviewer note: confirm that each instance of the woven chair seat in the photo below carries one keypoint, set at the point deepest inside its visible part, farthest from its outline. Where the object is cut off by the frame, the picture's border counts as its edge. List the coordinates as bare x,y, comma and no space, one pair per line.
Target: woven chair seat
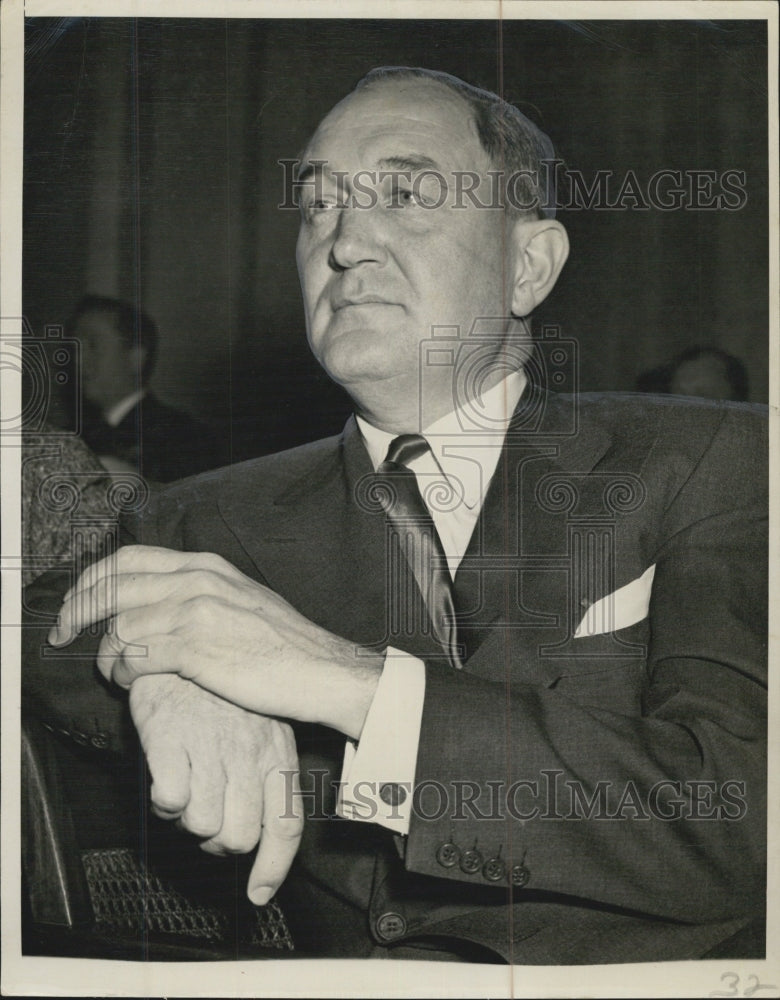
129,898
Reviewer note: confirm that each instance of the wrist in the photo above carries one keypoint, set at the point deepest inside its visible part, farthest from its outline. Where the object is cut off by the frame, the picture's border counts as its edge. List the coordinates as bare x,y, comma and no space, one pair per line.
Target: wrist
347,688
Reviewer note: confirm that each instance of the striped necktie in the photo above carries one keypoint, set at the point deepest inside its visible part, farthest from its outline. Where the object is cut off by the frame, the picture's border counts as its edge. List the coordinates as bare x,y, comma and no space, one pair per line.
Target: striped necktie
416,535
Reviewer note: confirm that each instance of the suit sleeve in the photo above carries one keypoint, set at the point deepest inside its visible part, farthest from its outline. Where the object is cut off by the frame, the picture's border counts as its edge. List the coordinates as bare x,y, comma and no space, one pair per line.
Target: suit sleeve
660,810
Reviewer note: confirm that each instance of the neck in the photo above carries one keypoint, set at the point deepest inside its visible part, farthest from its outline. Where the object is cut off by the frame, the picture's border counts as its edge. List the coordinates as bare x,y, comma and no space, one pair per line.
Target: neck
120,406
409,409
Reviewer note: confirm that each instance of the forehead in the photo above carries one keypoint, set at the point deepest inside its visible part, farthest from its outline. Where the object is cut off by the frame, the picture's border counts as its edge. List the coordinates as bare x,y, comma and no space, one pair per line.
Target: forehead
706,364
397,117
96,323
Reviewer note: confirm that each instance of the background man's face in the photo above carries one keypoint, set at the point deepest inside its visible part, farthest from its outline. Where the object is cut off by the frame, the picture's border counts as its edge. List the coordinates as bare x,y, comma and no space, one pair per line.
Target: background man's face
109,368
704,376
376,279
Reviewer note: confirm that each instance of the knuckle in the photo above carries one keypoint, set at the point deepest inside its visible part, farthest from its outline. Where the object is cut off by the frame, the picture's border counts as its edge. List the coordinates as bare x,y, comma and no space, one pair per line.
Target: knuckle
125,555
202,581
200,826
199,607
167,801
292,830
296,826
166,810
109,645
212,847
238,842
209,561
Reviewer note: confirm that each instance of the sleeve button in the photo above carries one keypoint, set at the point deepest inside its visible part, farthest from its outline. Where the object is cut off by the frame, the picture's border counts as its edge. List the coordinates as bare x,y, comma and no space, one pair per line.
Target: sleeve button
471,862
448,855
494,870
520,875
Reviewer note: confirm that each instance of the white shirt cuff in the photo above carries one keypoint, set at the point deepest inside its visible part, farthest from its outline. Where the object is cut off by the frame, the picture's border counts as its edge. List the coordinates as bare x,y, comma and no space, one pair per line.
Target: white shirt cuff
377,778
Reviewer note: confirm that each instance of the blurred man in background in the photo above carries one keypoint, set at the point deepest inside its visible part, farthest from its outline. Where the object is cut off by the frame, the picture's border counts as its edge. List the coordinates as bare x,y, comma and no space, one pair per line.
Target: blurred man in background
699,371
123,421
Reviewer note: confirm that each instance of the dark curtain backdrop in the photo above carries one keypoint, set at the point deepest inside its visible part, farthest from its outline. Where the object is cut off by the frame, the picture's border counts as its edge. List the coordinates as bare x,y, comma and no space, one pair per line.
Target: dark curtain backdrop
151,172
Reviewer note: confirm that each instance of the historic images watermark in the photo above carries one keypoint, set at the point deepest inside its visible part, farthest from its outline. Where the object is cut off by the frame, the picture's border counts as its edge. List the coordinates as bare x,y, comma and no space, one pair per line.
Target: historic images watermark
315,187
543,797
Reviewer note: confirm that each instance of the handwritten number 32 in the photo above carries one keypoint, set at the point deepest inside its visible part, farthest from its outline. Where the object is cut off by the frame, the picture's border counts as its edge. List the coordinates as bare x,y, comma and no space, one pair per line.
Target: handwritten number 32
731,979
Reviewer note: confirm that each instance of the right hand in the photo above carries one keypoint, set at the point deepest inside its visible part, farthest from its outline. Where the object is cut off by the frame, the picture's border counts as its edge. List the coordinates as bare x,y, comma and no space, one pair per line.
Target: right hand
226,774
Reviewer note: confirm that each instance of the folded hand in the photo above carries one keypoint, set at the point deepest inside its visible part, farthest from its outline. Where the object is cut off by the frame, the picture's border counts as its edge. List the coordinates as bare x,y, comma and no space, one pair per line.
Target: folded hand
196,615
226,775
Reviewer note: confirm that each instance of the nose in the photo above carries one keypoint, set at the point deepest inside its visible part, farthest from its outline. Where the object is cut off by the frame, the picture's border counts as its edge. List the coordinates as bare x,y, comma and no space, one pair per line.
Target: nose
359,238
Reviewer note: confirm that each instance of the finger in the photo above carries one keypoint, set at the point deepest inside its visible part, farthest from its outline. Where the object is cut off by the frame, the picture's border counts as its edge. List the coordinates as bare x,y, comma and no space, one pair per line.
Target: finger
203,814
123,660
113,594
124,653
109,654
151,559
94,572
92,592
132,559
84,604
122,591
169,767
108,595
282,831
242,817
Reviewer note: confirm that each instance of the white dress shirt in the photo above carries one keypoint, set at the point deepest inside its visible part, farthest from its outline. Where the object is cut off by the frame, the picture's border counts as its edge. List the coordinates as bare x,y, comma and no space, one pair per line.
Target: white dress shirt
453,478
115,414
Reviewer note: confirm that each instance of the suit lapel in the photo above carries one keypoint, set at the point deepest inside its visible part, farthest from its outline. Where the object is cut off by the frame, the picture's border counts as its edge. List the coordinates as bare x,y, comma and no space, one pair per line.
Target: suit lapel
320,540
514,580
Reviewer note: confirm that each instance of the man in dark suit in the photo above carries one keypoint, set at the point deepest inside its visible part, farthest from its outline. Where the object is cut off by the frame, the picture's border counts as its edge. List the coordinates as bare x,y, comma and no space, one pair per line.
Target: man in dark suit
123,421
539,621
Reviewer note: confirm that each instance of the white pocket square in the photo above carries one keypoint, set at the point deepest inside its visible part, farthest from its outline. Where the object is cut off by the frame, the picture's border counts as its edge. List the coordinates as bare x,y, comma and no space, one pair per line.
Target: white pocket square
621,608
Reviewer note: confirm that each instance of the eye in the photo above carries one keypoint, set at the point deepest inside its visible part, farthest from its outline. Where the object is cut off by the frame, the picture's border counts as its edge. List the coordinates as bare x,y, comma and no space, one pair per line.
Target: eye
425,190
319,207
405,197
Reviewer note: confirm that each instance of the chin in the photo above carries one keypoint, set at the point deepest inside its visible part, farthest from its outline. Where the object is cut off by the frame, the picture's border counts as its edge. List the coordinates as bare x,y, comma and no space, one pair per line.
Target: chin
360,372
361,356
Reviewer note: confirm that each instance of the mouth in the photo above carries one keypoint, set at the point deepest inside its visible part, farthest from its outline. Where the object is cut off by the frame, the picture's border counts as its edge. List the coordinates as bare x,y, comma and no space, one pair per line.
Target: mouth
360,300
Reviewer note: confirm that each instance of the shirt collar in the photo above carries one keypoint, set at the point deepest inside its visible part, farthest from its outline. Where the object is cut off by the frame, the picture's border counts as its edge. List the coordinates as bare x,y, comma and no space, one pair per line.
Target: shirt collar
482,424
115,414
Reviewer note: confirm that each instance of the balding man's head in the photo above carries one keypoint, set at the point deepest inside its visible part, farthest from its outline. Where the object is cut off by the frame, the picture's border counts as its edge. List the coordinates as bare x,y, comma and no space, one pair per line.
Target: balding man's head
391,248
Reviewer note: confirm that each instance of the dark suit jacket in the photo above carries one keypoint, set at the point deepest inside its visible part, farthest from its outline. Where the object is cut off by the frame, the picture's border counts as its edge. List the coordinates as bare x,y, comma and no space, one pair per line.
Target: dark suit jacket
586,497
163,443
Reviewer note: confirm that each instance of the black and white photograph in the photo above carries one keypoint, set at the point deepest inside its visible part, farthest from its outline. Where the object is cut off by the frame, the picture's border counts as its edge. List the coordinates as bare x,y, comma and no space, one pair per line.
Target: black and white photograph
389,593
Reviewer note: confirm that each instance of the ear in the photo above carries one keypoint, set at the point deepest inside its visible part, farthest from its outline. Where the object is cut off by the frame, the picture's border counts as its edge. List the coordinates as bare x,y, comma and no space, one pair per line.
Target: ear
538,251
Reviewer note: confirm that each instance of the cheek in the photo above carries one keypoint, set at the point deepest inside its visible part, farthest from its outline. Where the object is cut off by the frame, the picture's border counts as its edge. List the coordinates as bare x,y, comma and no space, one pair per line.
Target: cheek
478,276
310,295
456,282
313,275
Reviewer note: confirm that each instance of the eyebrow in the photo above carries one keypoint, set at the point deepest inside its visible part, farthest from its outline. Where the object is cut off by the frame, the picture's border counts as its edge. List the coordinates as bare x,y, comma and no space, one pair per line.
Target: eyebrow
413,161
309,170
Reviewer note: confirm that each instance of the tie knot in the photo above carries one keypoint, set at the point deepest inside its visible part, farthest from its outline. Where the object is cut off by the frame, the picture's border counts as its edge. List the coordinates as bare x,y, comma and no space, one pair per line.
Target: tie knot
405,448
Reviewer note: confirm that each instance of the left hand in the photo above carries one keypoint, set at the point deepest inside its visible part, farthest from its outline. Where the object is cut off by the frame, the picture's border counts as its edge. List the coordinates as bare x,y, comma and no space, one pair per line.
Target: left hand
223,774
196,615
